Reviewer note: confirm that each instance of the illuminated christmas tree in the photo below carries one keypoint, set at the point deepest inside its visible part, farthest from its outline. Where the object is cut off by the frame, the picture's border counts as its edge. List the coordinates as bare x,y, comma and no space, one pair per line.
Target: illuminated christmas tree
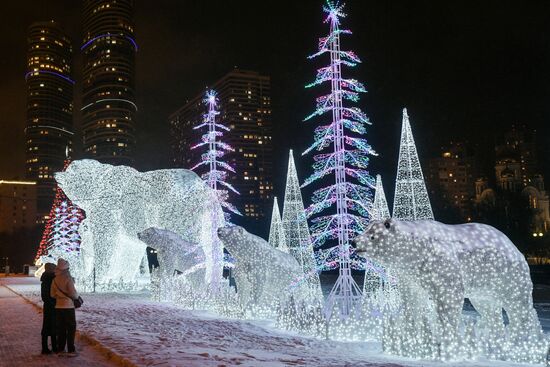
411,200
277,237
296,229
216,174
347,161
60,237
373,279
380,209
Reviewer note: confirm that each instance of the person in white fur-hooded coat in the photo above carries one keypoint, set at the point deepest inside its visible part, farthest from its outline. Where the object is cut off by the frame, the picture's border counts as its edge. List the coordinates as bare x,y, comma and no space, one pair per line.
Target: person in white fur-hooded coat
64,292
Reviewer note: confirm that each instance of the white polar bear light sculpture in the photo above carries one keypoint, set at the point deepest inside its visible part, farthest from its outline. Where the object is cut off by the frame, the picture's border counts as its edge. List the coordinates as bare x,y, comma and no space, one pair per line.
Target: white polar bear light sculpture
445,264
121,202
175,255
263,274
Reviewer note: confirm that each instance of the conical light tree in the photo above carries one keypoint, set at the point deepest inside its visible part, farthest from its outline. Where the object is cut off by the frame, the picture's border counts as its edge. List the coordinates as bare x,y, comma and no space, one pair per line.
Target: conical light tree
347,162
380,210
277,237
296,229
60,237
411,201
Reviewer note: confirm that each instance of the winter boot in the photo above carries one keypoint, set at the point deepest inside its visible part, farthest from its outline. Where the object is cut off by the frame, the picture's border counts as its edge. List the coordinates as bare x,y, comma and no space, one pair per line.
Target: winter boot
45,349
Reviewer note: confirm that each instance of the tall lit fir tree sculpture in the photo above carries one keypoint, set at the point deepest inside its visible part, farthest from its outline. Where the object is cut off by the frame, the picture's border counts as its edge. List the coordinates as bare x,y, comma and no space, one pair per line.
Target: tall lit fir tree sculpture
347,162
216,174
411,201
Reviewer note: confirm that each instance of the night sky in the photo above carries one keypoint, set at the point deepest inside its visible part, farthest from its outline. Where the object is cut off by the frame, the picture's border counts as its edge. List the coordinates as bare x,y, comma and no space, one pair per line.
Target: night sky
464,69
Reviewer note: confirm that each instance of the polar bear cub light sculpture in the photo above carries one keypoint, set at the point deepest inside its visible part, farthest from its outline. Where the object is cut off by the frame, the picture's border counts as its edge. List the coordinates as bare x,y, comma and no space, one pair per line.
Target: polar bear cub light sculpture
263,274
121,202
175,255
447,263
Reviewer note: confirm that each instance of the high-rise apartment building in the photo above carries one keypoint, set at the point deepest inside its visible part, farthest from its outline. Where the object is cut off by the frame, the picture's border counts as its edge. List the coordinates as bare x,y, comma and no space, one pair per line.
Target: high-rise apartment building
451,179
245,107
516,158
108,96
49,125
17,205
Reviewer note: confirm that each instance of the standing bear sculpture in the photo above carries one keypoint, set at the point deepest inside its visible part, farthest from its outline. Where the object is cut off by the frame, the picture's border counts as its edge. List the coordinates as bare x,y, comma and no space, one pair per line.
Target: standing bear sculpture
263,274
175,255
447,263
121,202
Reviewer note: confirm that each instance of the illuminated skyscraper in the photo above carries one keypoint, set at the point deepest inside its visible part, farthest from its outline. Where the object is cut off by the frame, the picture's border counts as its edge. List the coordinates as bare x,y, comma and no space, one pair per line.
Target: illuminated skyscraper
245,107
108,98
49,126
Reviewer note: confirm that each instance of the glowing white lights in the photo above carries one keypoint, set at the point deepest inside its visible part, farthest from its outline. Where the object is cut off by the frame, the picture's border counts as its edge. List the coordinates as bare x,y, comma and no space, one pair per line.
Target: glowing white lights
347,162
264,275
296,229
277,237
411,201
380,205
438,266
216,174
175,257
121,202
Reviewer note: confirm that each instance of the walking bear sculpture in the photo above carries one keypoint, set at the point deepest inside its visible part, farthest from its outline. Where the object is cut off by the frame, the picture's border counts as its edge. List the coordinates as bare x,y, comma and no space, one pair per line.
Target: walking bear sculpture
121,202
175,255
447,263
263,274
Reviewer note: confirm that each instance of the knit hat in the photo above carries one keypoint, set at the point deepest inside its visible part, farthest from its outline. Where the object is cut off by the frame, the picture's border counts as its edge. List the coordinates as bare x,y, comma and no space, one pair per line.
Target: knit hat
62,264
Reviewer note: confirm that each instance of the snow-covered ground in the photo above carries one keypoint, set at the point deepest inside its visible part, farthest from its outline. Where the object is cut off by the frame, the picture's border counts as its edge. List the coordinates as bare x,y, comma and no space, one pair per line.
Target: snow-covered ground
148,333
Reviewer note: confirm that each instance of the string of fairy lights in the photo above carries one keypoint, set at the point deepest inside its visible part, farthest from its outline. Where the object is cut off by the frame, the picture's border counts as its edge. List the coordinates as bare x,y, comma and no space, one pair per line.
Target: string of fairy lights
417,271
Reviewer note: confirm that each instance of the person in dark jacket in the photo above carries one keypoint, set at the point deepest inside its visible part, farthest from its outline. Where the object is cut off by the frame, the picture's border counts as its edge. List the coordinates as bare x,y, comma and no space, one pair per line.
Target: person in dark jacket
64,292
48,313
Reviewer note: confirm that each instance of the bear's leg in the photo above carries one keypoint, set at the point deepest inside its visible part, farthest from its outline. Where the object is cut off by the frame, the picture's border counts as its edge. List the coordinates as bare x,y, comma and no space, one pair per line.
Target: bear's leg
104,240
524,325
448,297
409,326
490,328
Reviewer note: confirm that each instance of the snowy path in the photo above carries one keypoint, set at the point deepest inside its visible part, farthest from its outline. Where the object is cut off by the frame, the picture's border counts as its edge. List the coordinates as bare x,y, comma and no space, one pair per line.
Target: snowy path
156,334
20,324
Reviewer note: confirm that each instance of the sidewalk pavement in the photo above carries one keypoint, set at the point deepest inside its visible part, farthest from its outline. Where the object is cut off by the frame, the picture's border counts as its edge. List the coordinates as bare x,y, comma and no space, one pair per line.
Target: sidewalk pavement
20,325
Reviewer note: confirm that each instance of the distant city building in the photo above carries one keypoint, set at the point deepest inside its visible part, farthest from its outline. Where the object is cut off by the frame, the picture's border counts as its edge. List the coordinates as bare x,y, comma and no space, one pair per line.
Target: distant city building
451,179
245,107
17,205
108,95
516,158
518,180
49,125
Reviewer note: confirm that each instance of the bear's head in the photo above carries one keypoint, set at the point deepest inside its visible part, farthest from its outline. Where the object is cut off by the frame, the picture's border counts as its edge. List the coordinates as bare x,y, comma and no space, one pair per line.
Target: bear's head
79,181
384,242
238,241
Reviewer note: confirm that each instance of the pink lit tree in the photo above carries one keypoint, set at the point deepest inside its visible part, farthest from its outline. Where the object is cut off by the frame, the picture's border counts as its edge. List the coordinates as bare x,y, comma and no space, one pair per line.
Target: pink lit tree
347,161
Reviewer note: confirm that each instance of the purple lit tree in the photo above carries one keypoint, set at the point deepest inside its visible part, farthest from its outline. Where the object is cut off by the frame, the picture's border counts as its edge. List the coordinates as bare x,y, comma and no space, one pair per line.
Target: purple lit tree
216,174
347,162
